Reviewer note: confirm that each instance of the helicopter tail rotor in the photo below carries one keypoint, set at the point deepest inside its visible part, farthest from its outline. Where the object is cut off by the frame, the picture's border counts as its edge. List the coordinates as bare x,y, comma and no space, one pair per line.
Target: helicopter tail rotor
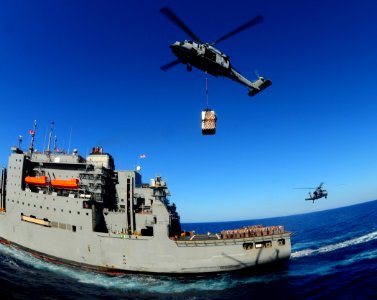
256,72
259,85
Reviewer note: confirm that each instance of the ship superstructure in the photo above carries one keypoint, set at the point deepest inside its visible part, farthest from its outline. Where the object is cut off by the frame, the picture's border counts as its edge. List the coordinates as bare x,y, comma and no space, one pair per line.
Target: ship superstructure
82,211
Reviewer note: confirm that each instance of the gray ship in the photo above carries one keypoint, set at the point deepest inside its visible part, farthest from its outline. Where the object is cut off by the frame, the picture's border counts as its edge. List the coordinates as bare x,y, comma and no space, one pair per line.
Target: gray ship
82,212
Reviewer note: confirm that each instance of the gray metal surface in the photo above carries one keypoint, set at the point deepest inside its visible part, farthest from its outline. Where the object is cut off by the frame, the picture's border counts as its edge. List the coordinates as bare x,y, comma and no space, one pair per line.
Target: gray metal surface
113,220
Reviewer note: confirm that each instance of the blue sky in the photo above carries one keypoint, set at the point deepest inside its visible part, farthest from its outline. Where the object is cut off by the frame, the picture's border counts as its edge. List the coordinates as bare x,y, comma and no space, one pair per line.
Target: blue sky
92,67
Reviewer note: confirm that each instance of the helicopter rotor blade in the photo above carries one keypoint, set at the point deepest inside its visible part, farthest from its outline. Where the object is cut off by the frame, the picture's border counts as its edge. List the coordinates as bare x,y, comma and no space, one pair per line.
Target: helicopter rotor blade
304,188
258,19
173,17
170,65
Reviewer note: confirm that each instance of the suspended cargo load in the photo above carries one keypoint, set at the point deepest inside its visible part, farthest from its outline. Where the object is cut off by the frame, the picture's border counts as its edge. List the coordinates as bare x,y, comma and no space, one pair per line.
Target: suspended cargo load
208,121
37,180
65,184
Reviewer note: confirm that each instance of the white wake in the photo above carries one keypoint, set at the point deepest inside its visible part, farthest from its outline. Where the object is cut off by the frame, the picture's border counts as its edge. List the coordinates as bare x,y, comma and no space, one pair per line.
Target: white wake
329,248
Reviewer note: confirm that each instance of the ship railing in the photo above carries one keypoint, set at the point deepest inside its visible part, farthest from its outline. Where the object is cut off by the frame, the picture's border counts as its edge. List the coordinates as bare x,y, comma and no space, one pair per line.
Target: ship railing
245,232
203,240
252,231
145,212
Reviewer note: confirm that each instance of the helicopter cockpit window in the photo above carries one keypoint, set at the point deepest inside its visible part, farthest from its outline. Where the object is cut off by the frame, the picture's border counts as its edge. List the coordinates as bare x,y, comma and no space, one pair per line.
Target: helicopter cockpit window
210,54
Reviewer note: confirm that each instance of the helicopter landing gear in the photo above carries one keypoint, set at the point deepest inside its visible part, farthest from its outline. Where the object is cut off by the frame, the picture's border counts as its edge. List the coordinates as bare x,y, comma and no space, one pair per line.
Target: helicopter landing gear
189,67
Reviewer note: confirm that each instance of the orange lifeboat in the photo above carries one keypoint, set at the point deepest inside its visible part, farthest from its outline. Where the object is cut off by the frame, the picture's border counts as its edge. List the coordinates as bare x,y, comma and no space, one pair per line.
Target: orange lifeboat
65,184
38,180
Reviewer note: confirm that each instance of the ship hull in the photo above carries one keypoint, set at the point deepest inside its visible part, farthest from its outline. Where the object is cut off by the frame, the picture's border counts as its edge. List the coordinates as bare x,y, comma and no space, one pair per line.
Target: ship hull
85,213
137,254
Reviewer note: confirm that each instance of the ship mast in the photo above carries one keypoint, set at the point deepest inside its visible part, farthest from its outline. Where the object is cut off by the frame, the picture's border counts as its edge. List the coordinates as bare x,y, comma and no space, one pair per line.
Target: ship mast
20,141
50,136
55,142
32,133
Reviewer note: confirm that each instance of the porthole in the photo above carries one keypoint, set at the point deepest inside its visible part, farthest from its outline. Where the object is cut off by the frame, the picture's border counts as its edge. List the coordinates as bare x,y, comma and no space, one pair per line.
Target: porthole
248,246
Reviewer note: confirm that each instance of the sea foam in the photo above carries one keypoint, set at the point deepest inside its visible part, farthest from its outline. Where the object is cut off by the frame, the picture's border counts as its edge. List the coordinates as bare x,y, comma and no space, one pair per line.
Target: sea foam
332,247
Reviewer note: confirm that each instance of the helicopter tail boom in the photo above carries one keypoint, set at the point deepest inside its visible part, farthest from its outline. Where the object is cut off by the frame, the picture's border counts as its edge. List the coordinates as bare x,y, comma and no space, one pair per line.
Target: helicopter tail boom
259,85
254,86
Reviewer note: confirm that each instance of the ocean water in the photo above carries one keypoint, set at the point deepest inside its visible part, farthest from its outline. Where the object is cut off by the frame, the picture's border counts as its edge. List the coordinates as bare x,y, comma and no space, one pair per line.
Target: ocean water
334,256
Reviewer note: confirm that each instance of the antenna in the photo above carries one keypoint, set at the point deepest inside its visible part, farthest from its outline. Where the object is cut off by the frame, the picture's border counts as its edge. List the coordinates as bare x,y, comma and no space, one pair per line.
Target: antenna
32,133
19,141
69,144
50,136
55,141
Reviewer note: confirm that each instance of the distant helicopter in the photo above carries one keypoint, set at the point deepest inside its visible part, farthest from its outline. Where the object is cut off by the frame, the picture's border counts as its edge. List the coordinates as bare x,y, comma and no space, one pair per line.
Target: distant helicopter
317,194
207,58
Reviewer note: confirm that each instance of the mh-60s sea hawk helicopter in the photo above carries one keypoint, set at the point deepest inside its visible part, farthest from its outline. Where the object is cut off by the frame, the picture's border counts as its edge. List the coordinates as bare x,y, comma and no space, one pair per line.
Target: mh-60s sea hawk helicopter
317,194
207,58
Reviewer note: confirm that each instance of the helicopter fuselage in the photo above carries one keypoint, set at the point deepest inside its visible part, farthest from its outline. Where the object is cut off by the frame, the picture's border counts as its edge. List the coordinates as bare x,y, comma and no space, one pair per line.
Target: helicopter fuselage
202,56
208,59
317,194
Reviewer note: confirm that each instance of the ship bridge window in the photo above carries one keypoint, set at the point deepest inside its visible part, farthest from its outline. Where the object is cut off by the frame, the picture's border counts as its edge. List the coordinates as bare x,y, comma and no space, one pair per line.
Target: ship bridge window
247,246
210,55
281,242
73,228
265,244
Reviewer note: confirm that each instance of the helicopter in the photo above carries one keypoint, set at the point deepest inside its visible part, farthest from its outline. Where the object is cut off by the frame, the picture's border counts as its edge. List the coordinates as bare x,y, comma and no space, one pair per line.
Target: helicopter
317,194
206,57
